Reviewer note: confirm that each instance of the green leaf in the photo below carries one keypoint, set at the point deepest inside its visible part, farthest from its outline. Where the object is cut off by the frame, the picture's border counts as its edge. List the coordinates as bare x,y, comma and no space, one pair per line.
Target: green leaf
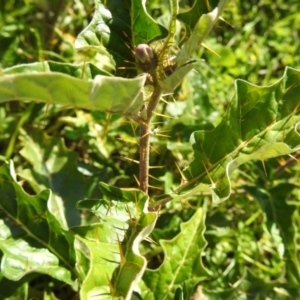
100,243
81,71
278,211
31,239
199,33
125,195
96,35
169,40
172,81
144,28
55,167
104,93
122,204
183,64
116,265
15,290
182,261
178,294
82,259
132,265
191,17
94,39
261,123
101,208
258,288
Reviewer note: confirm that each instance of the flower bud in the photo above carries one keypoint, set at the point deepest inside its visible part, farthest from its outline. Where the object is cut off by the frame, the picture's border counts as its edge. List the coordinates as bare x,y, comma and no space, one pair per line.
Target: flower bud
144,54
145,58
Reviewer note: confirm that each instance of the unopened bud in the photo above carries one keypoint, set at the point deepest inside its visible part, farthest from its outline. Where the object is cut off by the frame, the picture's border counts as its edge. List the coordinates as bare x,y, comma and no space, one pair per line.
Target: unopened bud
145,58
144,53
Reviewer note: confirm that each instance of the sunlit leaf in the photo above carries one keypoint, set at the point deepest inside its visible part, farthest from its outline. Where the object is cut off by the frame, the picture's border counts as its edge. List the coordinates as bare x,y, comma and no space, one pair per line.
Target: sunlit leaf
199,33
182,263
119,267
261,123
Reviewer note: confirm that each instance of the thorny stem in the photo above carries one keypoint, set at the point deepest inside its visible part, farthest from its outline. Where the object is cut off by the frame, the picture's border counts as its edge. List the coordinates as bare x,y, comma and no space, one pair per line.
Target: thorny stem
145,127
144,157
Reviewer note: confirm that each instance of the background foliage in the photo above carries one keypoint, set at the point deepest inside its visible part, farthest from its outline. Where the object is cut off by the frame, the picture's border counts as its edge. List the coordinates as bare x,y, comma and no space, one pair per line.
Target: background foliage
251,250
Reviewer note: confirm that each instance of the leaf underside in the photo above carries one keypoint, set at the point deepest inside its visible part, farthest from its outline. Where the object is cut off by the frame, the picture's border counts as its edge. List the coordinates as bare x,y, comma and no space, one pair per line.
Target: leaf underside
36,82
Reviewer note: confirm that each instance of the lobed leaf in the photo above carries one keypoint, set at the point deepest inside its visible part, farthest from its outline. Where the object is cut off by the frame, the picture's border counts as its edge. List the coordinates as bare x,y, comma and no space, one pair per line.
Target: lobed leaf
31,239
132,265
261,123
115,262
55,167
100,243
182,264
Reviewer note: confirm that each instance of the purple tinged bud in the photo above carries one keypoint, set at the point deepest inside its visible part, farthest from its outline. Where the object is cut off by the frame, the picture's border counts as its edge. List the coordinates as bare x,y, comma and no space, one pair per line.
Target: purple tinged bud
144,53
